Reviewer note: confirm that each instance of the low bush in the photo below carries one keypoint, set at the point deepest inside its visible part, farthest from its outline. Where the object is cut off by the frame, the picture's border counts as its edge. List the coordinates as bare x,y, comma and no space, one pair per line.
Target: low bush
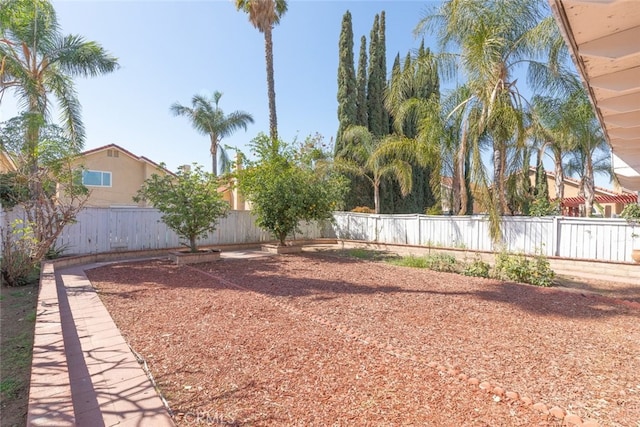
410,261
442,262
17,264
519,268
477,268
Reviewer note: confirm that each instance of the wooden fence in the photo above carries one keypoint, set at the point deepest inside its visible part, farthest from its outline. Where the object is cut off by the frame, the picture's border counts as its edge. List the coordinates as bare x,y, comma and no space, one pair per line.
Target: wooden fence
109,229
99,230
580,238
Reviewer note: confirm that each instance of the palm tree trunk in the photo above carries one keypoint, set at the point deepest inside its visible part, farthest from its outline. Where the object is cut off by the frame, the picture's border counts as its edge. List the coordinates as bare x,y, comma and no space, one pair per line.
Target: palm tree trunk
498,178
462,156
559,172
588,186
273,121
376,196
214,155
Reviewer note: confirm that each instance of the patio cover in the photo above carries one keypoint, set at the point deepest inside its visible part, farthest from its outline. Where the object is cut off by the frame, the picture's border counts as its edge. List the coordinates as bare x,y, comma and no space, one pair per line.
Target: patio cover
604,39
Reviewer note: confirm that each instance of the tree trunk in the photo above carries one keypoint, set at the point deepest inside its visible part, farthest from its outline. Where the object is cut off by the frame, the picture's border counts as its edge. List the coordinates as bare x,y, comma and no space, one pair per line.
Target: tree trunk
214,155
282,236
193,247
376,197
559,171
273,121
588,186
462,155
498,178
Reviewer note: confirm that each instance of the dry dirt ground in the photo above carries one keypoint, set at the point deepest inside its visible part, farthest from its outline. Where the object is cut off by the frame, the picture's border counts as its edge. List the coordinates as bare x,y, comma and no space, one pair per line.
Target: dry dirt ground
17,319
315,339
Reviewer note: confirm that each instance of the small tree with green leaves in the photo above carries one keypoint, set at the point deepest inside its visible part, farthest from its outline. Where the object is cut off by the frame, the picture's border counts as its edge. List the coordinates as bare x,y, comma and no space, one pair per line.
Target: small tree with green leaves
50,196
189,201
288,184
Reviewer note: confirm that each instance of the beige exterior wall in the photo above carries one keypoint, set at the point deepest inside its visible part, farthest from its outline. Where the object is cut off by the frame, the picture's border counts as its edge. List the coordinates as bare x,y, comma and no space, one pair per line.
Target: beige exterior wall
127,175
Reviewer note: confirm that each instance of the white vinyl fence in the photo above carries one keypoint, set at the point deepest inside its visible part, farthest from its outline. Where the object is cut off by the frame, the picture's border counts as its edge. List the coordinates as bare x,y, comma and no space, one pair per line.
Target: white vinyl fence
109,229
609,239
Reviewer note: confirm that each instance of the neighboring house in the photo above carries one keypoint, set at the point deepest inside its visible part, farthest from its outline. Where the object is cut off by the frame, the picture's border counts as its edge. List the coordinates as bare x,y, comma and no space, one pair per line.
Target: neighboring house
608,203
114,175
6,164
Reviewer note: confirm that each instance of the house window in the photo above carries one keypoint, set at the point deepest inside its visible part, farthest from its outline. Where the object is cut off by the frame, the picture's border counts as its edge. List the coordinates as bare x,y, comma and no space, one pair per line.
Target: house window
113,153
96,178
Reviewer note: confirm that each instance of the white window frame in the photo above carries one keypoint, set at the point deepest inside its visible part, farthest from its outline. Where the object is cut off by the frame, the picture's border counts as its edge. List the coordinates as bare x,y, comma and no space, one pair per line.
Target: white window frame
102,176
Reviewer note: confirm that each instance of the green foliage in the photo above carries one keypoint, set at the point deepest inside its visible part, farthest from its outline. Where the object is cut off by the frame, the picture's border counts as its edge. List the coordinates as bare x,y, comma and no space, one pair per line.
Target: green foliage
477,268
410,261
370,255
377,81
435,261
519,268
9,388
17,265
434,210
189,201
286,185
541,206
207,117
347,108
442,262
38,62
56,251
361,85
631,212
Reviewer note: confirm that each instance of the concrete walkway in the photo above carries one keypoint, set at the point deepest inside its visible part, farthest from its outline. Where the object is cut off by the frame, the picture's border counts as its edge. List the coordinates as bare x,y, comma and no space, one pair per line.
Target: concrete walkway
83,371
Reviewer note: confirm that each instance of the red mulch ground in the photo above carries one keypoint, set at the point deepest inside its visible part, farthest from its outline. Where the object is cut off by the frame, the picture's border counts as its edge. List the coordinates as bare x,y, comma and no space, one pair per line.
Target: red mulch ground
321,340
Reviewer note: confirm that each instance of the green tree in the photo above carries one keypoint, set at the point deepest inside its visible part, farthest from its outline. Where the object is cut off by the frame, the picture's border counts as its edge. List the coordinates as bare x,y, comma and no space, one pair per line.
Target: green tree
492,41
51,196
375,83
263,15
207,117
361,85
408,99
39,62
189,201
364,155
557,123
347,108
286,185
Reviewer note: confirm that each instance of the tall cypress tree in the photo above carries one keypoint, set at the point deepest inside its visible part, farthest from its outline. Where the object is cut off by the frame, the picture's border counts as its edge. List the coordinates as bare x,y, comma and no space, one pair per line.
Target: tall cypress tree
346,81
361,85
382,58
374,86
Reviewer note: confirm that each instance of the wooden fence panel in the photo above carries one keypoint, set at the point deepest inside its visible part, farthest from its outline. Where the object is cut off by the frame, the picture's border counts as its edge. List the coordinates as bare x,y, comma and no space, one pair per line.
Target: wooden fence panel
109,229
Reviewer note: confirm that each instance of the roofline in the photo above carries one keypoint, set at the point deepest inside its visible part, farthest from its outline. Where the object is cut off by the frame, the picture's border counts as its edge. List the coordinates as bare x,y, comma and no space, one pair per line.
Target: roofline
128,153
577,182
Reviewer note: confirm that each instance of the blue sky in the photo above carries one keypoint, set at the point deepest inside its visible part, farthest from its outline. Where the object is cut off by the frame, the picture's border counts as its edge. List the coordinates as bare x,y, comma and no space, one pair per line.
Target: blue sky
171,50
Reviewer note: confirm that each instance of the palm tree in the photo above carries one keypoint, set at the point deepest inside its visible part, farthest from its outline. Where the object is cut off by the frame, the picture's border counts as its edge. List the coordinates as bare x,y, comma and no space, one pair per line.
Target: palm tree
494,39
264,14
361,157
37,61
208,119
590,153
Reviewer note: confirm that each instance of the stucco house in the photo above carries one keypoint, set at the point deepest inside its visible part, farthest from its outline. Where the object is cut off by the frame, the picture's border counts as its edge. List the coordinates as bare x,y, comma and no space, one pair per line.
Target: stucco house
114,175
607,203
